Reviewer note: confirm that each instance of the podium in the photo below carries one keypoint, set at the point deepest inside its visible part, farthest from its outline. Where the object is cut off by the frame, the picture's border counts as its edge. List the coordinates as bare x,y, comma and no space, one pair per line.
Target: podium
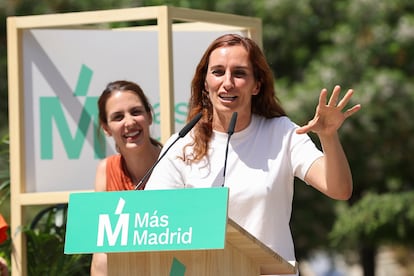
181,232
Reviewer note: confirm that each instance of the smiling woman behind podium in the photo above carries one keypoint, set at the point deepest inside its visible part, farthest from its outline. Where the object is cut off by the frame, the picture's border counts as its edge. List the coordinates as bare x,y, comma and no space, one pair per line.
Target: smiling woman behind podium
126,115
267,150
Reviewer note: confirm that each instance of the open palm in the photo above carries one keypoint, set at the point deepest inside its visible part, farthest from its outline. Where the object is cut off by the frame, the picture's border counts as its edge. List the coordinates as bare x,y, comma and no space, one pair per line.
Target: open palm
330,116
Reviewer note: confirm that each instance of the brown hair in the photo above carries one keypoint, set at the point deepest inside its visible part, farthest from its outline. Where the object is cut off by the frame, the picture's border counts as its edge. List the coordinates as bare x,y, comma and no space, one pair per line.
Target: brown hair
265,103
123,85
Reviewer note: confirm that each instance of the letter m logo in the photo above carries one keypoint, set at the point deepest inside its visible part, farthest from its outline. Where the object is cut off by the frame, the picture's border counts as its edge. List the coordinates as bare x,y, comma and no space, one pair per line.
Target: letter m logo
105,228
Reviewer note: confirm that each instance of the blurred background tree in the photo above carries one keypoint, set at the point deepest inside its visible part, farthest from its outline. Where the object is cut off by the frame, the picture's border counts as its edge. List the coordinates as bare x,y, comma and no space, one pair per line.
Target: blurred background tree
310,44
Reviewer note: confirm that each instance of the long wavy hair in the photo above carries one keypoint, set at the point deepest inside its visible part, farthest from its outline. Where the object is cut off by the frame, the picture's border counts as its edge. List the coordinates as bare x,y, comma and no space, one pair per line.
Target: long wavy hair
265,103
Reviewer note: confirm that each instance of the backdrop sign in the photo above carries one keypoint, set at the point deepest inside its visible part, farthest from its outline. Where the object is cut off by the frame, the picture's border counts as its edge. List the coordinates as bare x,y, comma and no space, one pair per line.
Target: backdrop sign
65,71
150,220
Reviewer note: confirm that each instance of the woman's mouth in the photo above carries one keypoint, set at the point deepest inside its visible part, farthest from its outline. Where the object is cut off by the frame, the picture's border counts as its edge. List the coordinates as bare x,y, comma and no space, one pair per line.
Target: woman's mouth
227,97
133,134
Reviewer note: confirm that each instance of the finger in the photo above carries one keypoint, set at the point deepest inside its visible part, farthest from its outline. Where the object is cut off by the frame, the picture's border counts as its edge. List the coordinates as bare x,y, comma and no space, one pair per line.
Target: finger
303,129
335,96
352,110
322,97
344,101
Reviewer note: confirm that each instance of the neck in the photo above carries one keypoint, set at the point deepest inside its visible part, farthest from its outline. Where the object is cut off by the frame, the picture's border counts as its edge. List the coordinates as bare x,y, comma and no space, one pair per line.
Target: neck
138,163
221,122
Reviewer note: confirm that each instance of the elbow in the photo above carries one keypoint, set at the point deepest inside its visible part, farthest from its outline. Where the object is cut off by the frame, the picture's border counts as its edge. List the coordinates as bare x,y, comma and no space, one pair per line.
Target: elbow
344,194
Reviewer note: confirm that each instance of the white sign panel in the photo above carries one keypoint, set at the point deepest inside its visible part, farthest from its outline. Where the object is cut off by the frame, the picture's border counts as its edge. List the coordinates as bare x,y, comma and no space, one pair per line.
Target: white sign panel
65,71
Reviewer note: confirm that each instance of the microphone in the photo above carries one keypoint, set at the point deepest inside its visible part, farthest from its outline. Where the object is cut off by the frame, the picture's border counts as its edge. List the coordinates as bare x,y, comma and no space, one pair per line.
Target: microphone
181,134
230,132
189,126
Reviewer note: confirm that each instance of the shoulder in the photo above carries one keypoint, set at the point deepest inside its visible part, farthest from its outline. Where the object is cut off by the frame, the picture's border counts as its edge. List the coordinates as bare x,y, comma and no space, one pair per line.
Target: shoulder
102,165
281,124
100,177
108,161
101,170
112,158
282,121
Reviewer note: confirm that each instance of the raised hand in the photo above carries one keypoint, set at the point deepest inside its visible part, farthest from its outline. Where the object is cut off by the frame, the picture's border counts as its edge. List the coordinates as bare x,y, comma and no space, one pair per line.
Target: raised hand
330,116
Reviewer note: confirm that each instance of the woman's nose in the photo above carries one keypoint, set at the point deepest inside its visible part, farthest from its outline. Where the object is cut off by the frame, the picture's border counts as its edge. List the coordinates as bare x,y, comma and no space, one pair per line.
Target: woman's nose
228,83
129,121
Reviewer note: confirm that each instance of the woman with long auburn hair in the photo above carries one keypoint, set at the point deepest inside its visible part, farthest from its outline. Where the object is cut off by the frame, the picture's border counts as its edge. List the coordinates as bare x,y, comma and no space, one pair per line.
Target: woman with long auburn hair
267,150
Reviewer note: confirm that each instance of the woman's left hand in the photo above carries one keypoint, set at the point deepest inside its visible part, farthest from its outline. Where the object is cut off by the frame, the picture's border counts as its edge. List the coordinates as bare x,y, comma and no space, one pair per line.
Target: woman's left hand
329,117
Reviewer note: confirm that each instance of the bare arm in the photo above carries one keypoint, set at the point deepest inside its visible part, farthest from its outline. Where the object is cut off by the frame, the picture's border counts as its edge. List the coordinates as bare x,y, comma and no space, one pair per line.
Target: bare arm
99,264
99,260
330,174
100,176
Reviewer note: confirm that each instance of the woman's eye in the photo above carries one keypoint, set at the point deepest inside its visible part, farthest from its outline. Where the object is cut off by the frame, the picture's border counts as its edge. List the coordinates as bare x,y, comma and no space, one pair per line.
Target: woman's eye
217,72
136,112
117,117
240,73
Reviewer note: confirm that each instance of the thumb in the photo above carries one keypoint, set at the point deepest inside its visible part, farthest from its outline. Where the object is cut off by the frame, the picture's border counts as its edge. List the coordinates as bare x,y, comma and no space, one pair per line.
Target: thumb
303,129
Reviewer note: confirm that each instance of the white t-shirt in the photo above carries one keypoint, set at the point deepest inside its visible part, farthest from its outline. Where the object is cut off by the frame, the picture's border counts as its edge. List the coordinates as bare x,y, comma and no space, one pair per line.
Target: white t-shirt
262,161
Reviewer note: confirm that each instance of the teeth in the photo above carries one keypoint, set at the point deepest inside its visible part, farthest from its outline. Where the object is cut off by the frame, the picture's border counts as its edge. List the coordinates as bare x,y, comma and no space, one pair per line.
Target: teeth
131,134
228,97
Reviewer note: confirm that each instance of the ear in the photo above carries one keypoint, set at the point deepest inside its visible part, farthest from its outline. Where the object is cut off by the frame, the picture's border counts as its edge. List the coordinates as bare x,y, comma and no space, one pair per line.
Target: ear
150,119
256,90
106,130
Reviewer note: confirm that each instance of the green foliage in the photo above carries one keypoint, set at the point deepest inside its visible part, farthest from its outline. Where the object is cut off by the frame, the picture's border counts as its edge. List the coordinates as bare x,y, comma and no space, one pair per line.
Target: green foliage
45,256
381,138
376,219
3,74
369,48
5,247
4,169
45,245
311,225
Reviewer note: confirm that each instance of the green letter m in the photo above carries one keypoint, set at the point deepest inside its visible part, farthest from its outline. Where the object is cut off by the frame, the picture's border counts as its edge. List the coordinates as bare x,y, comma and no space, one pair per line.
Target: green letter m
51,109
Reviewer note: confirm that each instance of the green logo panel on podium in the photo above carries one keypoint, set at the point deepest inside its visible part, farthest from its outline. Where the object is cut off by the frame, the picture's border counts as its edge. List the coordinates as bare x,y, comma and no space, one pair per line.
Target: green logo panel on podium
149,220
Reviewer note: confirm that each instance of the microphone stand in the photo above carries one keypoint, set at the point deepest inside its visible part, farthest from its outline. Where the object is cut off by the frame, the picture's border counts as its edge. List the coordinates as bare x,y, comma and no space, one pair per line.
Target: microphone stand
230,132
181,134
